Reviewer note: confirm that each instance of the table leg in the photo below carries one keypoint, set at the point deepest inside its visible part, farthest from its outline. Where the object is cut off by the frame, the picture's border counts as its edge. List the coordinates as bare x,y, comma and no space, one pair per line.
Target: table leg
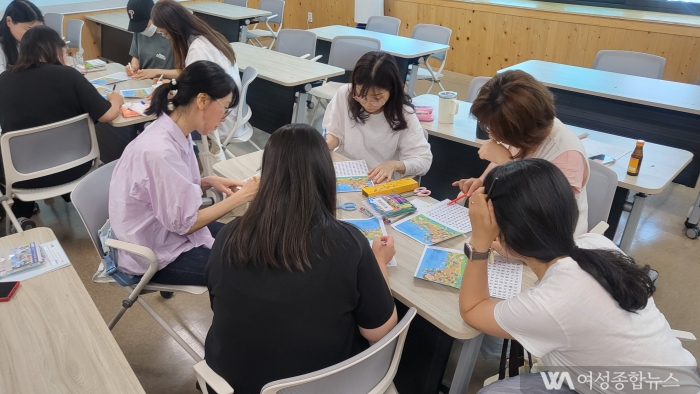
412,81
632,222
300,115
244,33
465,365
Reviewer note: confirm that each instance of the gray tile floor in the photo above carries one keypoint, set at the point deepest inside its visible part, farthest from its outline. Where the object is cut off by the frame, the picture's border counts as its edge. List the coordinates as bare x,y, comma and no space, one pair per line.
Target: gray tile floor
163,367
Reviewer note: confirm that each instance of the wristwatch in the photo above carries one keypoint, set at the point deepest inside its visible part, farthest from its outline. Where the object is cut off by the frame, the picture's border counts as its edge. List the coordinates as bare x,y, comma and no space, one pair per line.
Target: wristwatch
472,254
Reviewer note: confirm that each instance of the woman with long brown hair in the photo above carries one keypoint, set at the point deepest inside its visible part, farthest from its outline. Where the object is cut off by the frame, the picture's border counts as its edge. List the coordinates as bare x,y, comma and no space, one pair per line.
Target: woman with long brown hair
372,119
293,289
518,113
192,40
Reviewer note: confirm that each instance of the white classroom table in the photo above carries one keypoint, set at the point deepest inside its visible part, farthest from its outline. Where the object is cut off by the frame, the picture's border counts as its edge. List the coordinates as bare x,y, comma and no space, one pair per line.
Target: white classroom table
660,166
407,51
230,20
53,339
121,121
281,78
436,303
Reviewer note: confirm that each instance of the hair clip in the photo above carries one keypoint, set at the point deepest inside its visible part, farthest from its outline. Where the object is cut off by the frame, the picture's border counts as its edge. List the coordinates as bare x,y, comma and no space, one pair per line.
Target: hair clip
173,82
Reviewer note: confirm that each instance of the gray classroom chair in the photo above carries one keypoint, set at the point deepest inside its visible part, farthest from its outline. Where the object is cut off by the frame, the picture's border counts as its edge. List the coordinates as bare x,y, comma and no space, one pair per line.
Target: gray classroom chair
630,63
91,200
299,43
276,7
244,114
345,52
54,21
47,150
438,35
240,3
384,24
371,371
474,87
74,35
600,190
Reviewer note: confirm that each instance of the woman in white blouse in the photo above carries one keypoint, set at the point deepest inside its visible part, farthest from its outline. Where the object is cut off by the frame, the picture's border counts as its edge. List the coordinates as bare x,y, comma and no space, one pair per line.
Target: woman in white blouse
372,119
591,309
192,40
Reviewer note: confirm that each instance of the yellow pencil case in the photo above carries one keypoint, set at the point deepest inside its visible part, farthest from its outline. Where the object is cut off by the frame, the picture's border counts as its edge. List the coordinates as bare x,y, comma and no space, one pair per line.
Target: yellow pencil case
398,187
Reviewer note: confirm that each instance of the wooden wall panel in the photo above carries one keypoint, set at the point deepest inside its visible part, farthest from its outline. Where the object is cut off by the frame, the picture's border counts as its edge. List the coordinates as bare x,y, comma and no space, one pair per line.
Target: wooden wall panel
484,41
487,37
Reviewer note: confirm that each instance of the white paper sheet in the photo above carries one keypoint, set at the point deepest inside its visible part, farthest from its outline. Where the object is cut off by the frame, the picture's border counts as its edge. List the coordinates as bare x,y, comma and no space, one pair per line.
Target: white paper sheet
350,168
505,278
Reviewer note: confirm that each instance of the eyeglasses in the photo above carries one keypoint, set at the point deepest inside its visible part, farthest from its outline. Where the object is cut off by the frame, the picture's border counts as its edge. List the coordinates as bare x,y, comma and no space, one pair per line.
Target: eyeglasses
227,111
487,129
367,102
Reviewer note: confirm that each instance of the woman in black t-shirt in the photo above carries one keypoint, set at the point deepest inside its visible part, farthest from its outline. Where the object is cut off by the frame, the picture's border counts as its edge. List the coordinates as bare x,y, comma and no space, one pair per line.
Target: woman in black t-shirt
293,289
39,90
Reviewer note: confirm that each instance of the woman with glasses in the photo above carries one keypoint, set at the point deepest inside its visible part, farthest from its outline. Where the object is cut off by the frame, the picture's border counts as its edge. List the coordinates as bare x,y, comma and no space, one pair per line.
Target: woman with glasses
372,119
192,40
518,113
156,190
591,309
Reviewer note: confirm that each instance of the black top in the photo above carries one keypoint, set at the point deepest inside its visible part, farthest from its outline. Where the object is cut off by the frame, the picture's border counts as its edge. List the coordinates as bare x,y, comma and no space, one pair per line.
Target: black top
272,324
46,94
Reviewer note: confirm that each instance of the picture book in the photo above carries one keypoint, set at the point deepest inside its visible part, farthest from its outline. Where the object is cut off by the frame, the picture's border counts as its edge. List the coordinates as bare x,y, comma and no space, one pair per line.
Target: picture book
443,266
110,79
136,93
351,176
92,66
438,223
371,228
21,259
103,90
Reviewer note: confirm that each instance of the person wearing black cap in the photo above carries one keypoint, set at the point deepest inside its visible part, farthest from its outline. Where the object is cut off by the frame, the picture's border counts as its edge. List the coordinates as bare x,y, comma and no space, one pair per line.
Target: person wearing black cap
152,54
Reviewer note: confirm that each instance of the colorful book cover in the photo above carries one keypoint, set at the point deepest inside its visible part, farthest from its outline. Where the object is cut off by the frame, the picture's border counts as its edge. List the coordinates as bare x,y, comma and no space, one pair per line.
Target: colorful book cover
110,79
371,228
352,184
443,266
136,93
20,259
390,205
436,224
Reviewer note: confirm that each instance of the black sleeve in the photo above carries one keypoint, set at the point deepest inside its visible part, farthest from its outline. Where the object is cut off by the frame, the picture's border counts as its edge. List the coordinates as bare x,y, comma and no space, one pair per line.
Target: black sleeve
90,101
212,272
376,304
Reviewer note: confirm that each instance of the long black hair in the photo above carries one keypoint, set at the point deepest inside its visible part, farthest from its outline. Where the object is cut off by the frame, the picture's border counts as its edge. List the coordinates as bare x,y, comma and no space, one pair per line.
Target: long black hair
379,70
297,195
20,11
536,211
41,44
199,77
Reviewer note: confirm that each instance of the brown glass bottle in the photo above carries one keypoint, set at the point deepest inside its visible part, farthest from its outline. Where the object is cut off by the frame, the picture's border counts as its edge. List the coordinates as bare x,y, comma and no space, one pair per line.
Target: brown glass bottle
636,159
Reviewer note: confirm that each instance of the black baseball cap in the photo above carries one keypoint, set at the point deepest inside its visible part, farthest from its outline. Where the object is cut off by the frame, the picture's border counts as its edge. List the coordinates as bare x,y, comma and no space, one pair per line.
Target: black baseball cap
139,14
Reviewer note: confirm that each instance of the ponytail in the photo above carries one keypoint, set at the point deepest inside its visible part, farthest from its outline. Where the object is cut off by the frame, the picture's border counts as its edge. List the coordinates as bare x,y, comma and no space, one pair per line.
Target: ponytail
199,77
627,283
159,100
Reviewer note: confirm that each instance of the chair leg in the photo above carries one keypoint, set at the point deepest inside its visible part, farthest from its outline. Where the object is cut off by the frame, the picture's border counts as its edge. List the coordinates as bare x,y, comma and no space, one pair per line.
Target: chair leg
116,318
228,154
432,83
169,330
254,144
440,84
